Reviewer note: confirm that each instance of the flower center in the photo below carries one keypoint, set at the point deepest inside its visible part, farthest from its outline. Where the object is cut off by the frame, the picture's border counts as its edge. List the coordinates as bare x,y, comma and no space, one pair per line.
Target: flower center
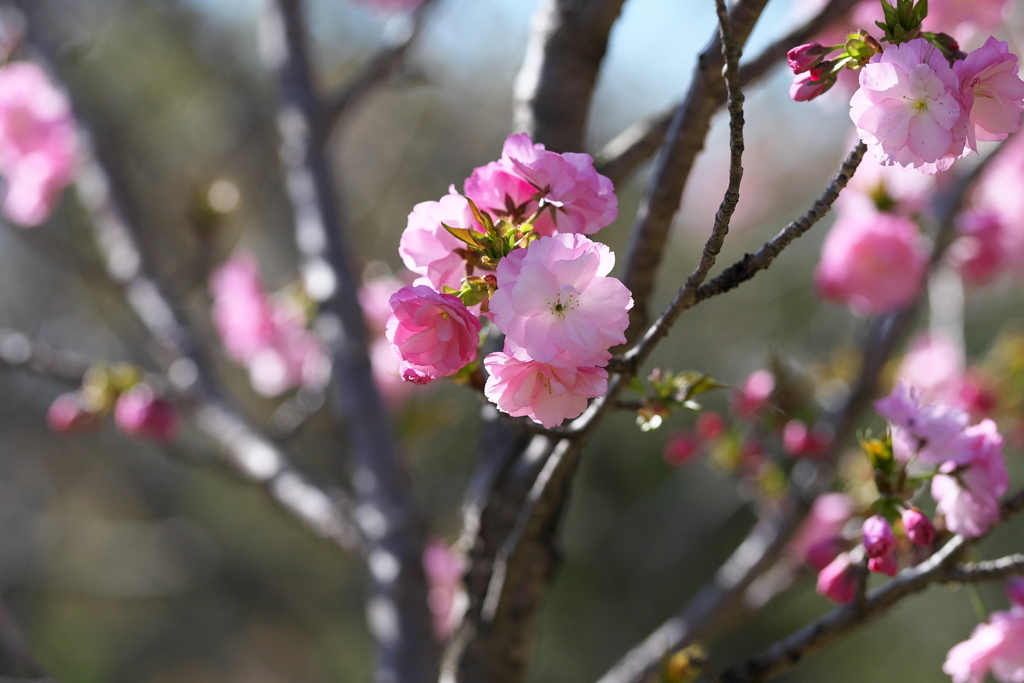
568,299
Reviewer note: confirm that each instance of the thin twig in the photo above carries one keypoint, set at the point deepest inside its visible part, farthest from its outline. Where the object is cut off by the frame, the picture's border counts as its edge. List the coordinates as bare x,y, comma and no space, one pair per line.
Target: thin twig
402,33
638,143
939,568
685,140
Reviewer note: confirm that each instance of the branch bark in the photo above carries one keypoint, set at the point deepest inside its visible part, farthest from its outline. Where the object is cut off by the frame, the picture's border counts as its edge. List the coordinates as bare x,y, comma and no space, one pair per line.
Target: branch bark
387,511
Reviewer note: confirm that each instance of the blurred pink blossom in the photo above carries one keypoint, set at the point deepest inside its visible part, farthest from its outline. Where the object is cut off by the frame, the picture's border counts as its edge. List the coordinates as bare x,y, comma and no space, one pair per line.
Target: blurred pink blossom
995,646
873,263
934,365
682,447
555,297
37,142
967,493
884,564
433,334
446,597
907,109
267,335
929,431
139,412
546,392
375,300
826,519
981,250
68,414
748,401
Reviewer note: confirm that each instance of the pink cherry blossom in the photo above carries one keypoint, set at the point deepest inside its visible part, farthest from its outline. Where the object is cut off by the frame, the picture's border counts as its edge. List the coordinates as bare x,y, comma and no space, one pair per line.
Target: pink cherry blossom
991,91
267,335
433,334
907,108
873,263
546,392
982,248
891,189
555,297
139,412
995,646
446,597
37,142
934,365
967,494
499,189
929,431
826,519
577,198
429,250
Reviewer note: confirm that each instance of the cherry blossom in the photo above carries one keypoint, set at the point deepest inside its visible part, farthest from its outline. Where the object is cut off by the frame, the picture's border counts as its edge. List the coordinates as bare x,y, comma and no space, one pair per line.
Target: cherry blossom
967,494
995,646
37,142
140,412
929,431
555,297
429,250
907,109
991,91
577,199
547,392
873,263
433,334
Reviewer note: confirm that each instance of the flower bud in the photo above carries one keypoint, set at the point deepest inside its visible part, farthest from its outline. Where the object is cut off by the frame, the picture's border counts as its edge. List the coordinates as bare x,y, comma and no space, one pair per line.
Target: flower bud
821,553
919,528
886,564
139,412
710,425
878,537
803,57
69,415
806,88
838,581
681,448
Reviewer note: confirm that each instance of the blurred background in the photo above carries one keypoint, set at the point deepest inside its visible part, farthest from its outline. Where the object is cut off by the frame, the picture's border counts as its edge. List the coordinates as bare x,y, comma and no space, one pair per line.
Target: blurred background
125,562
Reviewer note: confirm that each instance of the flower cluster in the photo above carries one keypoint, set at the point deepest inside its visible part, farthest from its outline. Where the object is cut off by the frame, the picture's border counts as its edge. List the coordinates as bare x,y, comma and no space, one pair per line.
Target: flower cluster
967,467
513,251
915,110
140,411
266,334
37,142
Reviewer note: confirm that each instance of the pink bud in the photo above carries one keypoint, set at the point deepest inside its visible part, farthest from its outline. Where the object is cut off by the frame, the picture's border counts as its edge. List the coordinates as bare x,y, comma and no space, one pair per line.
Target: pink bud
710,425
838,581
821,553
681,448
805,88
803,57
139,412
752,398
886,564
878,537
919,528
67,415
1015,590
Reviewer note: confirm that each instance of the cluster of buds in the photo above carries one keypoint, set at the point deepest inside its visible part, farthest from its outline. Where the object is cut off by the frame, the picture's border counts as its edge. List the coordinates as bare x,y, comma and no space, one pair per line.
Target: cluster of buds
816,73
138,408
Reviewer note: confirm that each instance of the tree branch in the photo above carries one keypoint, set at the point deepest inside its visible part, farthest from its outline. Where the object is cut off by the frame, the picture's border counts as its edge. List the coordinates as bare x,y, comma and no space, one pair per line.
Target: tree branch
638,143
386,509
687,134
555,86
